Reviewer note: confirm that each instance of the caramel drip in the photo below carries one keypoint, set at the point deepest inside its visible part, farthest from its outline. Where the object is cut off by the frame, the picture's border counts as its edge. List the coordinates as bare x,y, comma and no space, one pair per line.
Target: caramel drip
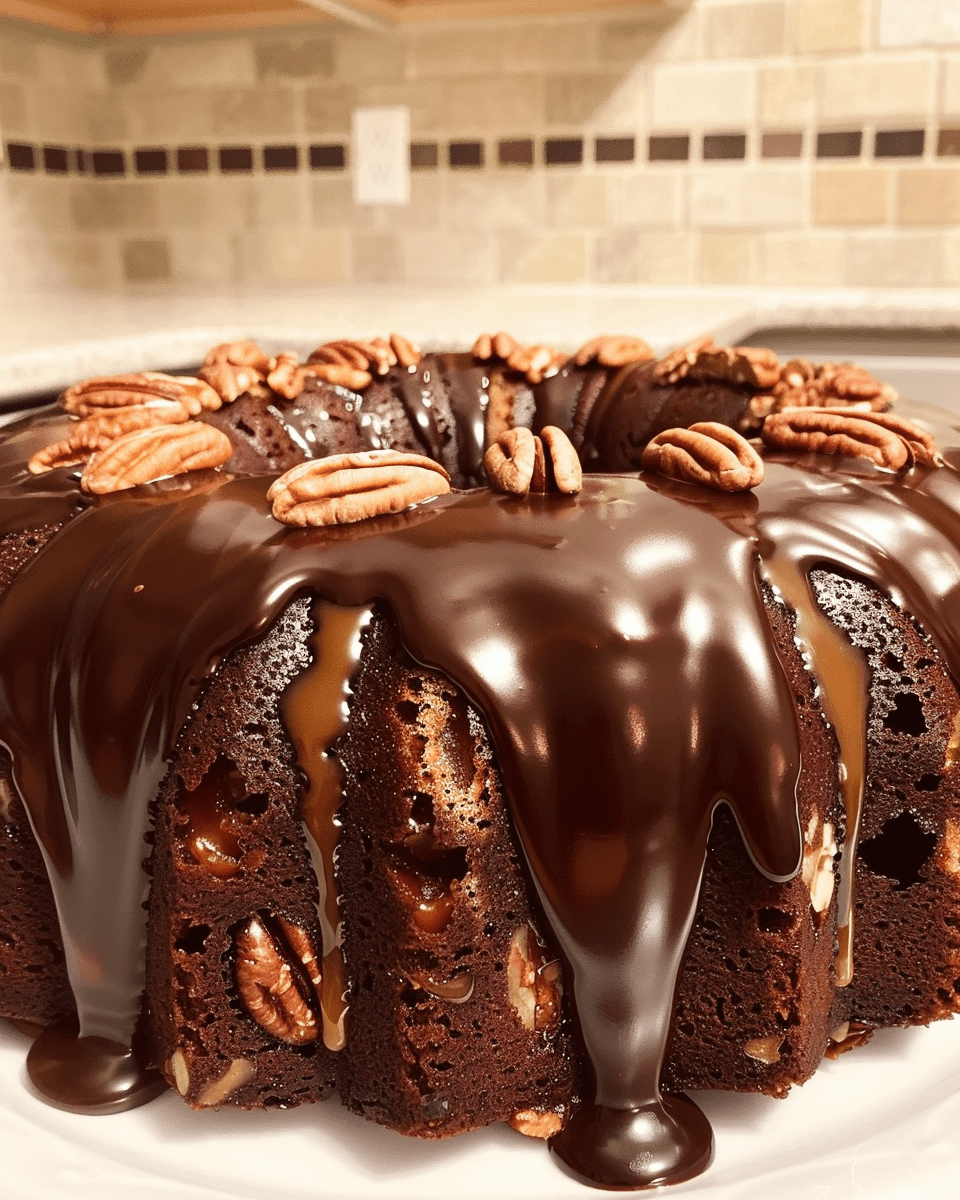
844,697
314,709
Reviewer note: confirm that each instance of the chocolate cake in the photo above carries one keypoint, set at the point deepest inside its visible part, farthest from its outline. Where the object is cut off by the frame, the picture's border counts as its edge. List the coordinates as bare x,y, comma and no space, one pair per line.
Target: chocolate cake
361,745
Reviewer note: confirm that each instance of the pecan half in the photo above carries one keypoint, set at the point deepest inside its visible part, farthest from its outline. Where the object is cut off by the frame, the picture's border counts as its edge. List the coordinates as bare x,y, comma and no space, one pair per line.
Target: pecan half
535,362
374,356
615,350
519,462
92,397
241,353
272,984
707,453
229,380
534,986
155,453
408,355
887,440
802,385
286,376
342,375
703,360
94,433
352,487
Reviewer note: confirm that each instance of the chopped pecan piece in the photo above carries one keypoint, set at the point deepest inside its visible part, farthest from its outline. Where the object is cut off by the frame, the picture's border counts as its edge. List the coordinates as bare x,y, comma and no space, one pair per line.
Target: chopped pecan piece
804,385
534,986
352,487
537,1122
94,433
887,440
703,360
408,355
707,453
286,376
92,397
271,981
518,462
615,350
155,453
535,362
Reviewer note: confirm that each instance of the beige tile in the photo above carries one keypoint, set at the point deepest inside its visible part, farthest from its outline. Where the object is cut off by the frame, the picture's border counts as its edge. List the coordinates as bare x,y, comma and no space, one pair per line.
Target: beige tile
634,40
549,44
202,61
18,53
295,255
616,257
745,30
426,210
57,114
729,256
576,201
461,50
106,117
437,257
576,99
376,258
928,196
369,57
425,98
830,25
894,259
36,202
744,196
627,108
233,200
331,200
174,115
202,257
54,261
103,206
289,59
852,195
254,112
704,95
279,200
190,202
950,257
126,65
648,198
327,109
806,258
670,258
494,200
679,39
788,94
950,98
504,103
866,89
543,258
145,260
13,110
59,61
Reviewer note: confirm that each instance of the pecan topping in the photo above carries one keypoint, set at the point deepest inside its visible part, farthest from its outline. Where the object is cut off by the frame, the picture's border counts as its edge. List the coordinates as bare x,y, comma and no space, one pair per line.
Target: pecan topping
271,981
408,355
707,453
535,362
703,360
353,363
802,385
92,397
887,440
94,433
613,351
537,1122
352,487
149,454
286,376
232,368
534,986
518,462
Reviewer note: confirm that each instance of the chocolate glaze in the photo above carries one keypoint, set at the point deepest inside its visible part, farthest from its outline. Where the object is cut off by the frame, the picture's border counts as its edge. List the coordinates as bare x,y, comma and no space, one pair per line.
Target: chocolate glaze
616,642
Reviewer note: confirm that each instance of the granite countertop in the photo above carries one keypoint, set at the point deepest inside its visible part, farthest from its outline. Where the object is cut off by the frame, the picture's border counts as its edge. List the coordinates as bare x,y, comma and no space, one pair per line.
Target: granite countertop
49,338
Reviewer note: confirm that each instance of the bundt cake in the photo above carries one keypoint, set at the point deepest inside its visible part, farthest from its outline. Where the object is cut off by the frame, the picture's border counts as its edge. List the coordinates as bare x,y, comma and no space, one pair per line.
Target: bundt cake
490,736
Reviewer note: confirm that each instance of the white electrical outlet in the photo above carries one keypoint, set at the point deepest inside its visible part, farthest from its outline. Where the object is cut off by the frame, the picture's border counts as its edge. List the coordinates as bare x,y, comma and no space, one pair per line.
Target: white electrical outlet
381,155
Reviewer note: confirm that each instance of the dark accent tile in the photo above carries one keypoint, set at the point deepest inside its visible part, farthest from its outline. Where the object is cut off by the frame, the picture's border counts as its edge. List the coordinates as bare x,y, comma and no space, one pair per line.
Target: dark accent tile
281,158
515,152
615,149
724,146
948,143
236,159
898,143
424,156
668,148
56,160
331,156
781,145
151,162
840,145
192,159
561,152
21,156
81,162
465,154
109,162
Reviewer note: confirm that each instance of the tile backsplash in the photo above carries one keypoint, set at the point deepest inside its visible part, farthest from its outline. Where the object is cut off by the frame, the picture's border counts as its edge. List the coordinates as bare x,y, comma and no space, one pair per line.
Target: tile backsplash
809,142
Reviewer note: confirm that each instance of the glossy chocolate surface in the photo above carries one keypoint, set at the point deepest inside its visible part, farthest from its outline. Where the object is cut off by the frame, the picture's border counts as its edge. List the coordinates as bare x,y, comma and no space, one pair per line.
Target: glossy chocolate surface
615,641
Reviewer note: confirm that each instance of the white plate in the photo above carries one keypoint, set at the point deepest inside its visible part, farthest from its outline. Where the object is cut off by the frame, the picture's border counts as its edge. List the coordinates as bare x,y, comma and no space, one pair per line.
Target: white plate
882,1122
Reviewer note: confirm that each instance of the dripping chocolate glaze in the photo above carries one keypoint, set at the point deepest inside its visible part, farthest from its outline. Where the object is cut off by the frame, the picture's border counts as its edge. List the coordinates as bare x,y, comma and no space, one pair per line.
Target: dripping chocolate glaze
567,621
